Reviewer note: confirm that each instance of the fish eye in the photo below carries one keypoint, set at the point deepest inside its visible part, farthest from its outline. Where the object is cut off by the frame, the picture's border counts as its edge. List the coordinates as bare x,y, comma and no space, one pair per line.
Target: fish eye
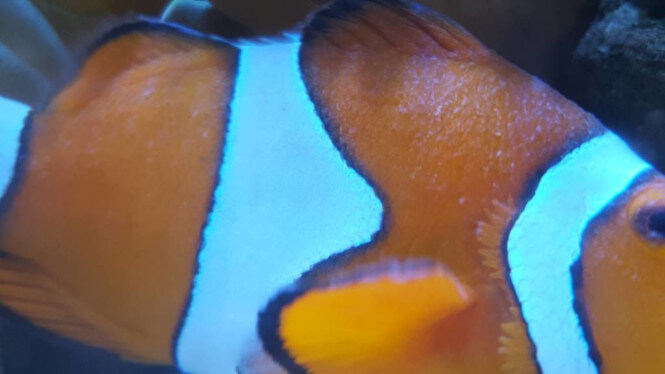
650,223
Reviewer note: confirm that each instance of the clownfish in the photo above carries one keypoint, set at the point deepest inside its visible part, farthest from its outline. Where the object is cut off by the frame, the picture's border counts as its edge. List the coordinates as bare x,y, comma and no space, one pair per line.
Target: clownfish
379,194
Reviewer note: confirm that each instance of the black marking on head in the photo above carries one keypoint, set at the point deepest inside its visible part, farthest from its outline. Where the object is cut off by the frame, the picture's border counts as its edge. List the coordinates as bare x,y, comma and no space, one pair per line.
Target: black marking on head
268,327
612,207
577,269
579,306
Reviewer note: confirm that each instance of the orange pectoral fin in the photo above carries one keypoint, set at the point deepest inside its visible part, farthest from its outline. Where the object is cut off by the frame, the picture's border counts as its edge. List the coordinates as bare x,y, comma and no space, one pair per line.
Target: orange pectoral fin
386,321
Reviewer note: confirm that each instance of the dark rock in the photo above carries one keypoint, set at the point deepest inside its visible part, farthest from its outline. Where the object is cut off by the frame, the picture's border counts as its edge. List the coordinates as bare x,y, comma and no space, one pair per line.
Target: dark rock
618,73
655,8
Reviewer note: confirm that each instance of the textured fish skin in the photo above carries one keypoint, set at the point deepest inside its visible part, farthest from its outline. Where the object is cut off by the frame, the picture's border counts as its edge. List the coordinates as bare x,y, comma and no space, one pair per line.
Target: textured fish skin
424,145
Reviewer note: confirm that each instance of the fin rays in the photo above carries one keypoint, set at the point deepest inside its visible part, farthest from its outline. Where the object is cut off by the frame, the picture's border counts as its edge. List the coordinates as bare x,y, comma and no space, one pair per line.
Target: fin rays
416,27
514,343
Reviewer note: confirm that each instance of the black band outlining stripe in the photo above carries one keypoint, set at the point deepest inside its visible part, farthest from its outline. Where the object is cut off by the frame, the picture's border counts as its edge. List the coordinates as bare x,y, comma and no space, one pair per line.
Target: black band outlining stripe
269,318
195,36
527,194
23,155
577,269
321,24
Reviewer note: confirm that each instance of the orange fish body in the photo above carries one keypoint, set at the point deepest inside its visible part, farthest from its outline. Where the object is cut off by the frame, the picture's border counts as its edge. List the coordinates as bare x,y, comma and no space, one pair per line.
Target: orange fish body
381,194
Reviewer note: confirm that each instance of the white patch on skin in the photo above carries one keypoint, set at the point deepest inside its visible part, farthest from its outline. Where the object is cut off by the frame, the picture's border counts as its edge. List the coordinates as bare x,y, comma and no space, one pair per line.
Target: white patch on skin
286,200
545,241
12,117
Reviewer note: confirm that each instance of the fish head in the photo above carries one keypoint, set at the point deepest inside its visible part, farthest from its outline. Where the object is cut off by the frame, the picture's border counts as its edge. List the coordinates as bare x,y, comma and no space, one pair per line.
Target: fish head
621,278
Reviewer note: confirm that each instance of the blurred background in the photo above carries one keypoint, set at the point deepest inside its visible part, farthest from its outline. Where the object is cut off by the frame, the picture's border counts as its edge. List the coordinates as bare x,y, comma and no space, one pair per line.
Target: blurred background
607,55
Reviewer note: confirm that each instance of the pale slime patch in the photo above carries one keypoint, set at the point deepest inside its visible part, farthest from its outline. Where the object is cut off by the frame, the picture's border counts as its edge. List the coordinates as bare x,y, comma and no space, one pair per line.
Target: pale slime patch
12,117
546,240
286,200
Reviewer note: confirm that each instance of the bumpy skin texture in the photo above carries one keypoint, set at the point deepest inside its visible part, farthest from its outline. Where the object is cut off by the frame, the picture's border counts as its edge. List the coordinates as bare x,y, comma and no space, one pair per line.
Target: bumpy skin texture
443,128
117,179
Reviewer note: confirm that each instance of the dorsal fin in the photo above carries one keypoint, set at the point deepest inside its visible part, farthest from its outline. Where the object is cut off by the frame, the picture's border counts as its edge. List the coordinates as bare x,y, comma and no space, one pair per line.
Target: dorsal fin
392,23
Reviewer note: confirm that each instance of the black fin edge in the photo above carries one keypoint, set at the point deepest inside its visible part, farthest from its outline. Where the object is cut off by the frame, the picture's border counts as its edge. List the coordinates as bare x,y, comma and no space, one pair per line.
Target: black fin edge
147,25
320,23
270,316
268,328
524,197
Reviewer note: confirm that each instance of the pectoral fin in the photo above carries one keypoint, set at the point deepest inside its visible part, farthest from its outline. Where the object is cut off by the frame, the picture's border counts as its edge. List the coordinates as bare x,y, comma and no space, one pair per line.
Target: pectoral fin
382,320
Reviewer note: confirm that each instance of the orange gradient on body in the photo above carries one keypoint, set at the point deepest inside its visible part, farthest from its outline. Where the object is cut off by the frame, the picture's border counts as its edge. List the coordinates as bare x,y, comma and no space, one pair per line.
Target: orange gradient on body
624,285
121,170
444,128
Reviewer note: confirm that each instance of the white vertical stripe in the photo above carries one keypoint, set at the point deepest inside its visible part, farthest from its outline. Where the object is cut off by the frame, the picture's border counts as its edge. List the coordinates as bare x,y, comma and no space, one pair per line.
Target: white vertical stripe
12,116
286,200
545,241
